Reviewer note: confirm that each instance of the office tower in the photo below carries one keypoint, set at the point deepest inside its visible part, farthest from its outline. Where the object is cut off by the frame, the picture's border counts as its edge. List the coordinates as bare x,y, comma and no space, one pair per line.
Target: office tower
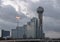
35,22
20,31
29,30
13,33
25,30
32,27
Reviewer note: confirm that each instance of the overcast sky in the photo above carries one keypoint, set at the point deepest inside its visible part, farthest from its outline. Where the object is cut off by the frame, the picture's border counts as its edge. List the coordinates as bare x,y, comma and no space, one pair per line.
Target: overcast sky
26,9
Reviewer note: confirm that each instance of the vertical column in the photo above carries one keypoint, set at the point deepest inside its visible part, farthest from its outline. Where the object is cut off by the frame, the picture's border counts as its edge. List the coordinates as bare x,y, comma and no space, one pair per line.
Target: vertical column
17,18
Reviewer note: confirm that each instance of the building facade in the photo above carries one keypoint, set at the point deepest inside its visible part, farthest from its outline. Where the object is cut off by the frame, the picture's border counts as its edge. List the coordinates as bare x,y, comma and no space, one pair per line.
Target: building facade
13,33
4,33
19,32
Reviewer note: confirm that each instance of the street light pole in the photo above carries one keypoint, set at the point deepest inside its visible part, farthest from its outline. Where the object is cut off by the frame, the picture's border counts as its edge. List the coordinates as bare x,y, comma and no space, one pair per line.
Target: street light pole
17,18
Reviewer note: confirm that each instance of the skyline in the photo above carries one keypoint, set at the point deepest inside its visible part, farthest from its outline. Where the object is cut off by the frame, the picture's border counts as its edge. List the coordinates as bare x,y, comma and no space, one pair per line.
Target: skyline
51,16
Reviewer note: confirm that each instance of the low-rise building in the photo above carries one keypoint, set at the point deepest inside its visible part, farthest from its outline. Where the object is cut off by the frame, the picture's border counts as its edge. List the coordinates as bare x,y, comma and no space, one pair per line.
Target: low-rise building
4,33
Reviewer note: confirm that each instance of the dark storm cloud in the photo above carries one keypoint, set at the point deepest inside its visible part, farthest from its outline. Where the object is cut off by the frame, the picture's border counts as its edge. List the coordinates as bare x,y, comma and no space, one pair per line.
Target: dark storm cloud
8,17
48,6
8,13
51,9
51,24
51,12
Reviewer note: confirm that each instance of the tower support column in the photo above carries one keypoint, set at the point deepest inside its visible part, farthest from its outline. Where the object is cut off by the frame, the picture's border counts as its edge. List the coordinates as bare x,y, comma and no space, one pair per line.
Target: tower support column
40,11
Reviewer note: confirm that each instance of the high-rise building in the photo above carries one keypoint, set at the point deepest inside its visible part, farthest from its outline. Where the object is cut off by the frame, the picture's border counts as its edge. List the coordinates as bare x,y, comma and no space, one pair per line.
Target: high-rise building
32,28
13,33
25,32
35,22
19,32
29,30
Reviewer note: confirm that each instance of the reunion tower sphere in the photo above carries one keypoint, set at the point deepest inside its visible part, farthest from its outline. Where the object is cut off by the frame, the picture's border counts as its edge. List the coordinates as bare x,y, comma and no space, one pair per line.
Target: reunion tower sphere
40,10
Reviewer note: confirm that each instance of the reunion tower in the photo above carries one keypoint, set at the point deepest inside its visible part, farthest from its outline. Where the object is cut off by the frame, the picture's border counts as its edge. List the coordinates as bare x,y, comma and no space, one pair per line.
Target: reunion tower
40,33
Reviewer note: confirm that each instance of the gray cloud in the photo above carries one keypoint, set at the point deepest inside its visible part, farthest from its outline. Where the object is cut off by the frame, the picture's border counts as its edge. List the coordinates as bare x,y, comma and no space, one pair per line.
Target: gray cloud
0,1
51,24
8,17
